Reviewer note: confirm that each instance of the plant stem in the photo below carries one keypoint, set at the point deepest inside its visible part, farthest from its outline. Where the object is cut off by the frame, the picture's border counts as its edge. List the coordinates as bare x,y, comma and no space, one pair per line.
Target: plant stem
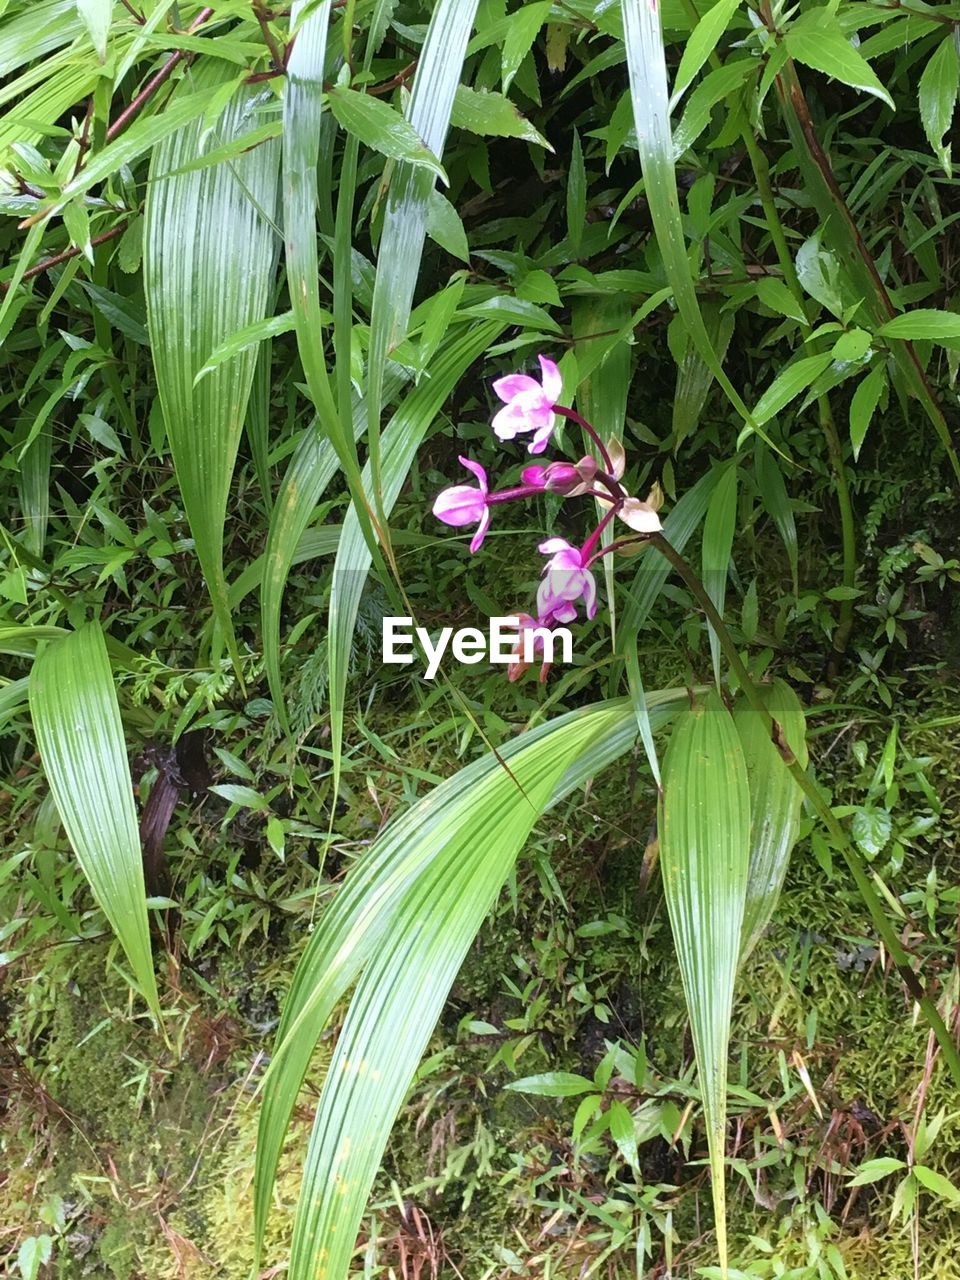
591,432
888,935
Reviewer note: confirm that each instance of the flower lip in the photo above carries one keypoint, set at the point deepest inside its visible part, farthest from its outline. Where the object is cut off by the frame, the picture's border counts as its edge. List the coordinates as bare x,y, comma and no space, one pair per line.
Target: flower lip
528,405
566,578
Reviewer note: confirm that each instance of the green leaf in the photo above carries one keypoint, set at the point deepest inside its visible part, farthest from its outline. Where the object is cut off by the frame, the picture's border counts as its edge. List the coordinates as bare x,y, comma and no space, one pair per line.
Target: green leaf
775,801
377,125
702,41
523,27
622,1132
646,64
863,406
80,738
209,256
96,15
491,115
874,1170
250,335
34,1252
553,1084
405,917
776,500
576,194
445,228
718,531
704,825
936,1182
938,96
818,42
924,324
787,385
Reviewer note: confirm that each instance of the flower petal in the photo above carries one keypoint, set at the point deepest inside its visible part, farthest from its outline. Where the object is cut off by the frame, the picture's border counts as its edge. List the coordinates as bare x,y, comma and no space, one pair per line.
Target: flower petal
553,545
542,436
477,470
639,516
509,422
477,540
514,384
461,504
590,594
536,476
552,379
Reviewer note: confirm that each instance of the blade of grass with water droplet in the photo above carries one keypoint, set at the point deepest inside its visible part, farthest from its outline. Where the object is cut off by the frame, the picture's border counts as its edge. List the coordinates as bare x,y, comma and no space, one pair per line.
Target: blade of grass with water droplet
76,718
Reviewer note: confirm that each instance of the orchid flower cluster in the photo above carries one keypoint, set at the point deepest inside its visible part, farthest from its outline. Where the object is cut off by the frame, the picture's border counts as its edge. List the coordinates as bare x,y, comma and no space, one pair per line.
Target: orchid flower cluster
529,407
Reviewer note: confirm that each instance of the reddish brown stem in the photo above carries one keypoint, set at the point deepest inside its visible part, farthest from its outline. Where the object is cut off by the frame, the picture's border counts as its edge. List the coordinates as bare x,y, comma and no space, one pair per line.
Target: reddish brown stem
129,113
67,254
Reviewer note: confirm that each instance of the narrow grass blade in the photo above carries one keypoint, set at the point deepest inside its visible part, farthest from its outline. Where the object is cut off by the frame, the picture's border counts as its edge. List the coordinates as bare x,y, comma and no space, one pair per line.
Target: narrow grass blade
775,801
405,218
308,473
646,65
704,856
410,906
402,438
80,738
718,530
210,251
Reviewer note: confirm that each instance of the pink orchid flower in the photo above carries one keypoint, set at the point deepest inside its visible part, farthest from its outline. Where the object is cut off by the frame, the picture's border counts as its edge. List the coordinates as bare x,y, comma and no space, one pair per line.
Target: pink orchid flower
529,405
463,504
566,578
561,477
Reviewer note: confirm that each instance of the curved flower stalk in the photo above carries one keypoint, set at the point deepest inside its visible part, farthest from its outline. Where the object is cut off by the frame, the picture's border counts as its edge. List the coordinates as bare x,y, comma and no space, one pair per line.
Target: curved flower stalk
532,407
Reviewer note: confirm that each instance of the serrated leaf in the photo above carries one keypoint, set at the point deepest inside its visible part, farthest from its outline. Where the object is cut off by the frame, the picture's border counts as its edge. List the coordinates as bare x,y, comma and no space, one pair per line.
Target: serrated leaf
491,115
863,406
939,82
379,126
936,1182
874,1170
787,385
924,324
701,43
819,43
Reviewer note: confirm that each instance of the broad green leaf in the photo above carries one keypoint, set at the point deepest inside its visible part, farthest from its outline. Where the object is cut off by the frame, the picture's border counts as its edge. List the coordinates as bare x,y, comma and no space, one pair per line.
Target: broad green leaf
96,15
819,42
445,227
863,406
938,96
523,27
405,916
622,1132
775,801
553,1084
210,250
787,385
80,738
874,1170
377,125
937,1183
704,825
491,115
701,43
719,528
924,324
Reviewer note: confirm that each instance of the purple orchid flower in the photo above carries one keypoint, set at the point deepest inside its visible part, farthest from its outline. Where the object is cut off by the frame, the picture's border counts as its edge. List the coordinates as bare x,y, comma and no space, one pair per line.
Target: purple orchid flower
529,405
561,477
463,504
566,577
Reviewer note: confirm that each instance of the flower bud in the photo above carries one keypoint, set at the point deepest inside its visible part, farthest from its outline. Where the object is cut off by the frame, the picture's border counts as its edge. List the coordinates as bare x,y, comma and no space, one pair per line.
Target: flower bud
557,477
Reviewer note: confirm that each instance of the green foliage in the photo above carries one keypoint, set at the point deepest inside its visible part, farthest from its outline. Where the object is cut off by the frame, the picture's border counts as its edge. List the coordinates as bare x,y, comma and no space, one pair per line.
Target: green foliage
259,270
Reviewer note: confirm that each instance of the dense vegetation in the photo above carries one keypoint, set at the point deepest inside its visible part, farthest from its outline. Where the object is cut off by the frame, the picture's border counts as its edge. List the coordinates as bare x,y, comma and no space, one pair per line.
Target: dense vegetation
640,965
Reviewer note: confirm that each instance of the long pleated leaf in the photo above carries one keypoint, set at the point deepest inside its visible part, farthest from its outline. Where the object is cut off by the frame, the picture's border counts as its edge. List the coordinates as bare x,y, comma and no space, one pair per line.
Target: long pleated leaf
775,801
646,65
210,250
704,855
76,718
448,855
